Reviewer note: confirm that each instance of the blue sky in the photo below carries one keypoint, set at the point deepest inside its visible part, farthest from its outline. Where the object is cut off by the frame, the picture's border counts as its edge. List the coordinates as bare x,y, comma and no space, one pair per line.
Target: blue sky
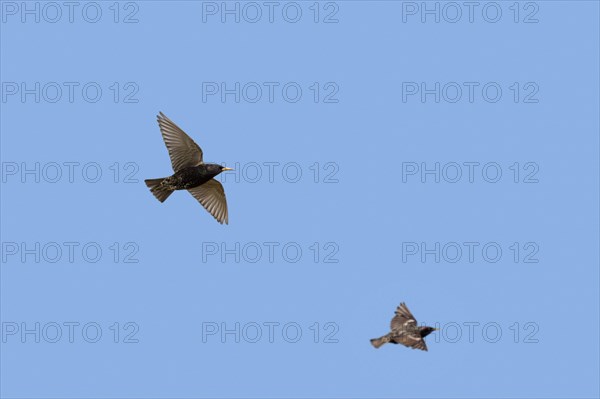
444,156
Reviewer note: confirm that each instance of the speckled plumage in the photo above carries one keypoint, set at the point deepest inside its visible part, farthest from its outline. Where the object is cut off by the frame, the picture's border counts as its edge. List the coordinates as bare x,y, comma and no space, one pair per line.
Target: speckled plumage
404,331
191,177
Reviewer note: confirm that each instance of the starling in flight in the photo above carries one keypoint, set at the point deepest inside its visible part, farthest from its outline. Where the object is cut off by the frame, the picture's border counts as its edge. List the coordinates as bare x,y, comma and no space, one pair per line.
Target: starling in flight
405,331
191,173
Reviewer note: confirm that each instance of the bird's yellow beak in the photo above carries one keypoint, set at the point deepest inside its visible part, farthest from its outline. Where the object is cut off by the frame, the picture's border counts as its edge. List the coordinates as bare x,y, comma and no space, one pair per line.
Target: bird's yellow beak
436,329
224,169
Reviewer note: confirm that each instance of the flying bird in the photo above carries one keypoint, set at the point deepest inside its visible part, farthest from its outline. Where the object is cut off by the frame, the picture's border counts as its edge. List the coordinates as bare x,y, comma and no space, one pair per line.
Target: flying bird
405,331
191,173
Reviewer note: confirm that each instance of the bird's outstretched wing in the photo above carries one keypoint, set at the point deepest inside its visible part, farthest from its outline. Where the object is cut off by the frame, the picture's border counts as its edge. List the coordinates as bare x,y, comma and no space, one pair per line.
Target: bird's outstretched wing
184,152
212,197
410,340
403,316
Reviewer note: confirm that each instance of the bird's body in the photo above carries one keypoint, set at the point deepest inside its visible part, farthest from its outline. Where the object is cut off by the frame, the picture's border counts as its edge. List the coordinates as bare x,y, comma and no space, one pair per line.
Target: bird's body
405,331
191,173
190,177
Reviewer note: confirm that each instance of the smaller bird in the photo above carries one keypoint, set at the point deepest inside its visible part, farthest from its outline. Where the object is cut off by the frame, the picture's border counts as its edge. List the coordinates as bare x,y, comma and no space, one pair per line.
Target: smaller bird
405,331
191,173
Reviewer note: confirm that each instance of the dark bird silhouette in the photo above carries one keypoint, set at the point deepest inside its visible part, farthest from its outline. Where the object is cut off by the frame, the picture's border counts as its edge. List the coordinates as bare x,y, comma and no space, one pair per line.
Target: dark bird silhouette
191,173
405,331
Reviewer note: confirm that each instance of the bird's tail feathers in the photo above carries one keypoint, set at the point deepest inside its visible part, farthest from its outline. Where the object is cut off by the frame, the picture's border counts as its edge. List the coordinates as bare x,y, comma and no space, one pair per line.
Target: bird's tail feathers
160,192
377,342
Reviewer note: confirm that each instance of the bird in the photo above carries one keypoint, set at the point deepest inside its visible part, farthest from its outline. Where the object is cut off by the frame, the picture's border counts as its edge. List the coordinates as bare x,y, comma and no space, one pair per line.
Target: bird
405,331
191,173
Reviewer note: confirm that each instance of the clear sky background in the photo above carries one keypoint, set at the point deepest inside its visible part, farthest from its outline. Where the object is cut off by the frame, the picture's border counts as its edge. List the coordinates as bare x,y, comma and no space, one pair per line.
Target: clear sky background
327,255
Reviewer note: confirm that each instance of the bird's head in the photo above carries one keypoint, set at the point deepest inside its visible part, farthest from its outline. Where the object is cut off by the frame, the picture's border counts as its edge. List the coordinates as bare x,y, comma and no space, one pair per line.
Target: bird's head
425,331
214,169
